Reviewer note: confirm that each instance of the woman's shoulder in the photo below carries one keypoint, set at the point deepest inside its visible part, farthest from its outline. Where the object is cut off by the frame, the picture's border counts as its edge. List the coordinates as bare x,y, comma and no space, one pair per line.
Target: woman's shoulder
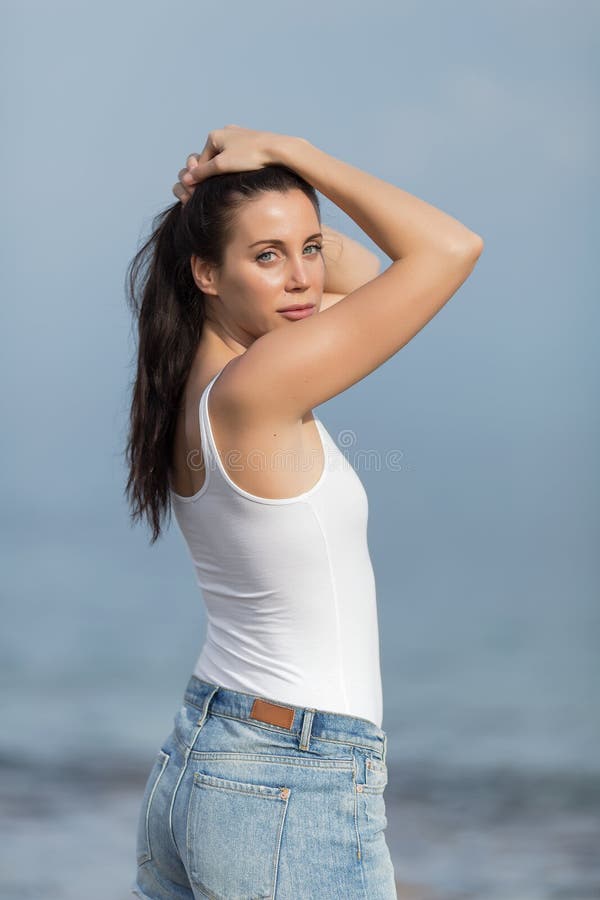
261,453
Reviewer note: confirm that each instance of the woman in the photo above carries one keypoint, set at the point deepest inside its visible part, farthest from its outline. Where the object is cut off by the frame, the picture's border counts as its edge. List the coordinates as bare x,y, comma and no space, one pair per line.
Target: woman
271,782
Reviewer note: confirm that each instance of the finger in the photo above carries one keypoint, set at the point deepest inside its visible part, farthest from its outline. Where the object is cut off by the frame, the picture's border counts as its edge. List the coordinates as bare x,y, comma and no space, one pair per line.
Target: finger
180,192
212,146
195,158
185,177
182,175
204,170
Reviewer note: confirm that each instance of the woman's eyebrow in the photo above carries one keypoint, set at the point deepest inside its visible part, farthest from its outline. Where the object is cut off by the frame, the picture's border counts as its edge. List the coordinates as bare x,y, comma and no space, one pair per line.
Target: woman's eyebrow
279,243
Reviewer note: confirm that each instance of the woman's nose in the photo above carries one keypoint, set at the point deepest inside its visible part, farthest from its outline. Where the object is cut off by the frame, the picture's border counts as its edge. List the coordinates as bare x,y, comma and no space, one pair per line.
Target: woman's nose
298,275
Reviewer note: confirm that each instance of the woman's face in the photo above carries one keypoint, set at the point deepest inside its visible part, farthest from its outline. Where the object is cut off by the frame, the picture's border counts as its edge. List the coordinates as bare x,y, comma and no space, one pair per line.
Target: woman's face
273,260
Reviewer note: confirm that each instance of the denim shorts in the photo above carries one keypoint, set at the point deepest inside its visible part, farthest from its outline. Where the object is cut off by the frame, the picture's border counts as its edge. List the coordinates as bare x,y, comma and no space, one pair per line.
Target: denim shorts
250,798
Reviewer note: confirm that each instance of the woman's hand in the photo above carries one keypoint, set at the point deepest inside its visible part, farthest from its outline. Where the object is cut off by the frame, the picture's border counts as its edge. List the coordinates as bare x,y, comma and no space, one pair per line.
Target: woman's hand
228,149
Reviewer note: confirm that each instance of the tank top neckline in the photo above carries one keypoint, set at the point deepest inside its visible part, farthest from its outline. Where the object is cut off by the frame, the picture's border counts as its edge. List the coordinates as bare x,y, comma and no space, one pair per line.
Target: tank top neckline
275,501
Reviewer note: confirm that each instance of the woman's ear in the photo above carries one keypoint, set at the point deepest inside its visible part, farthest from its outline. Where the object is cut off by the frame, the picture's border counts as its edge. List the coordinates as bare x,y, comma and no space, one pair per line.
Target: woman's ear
204,275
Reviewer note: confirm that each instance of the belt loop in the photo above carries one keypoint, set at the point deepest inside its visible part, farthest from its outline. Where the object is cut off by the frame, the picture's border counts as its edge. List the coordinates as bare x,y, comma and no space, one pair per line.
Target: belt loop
202,719
307,721
199,722
384,747
206,704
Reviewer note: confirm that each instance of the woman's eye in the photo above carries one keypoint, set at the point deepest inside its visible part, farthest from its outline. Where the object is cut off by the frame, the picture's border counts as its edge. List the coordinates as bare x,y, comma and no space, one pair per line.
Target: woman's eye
267,252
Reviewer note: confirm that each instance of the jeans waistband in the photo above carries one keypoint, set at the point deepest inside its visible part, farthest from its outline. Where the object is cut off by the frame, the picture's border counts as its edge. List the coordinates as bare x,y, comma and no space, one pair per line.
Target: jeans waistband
303,722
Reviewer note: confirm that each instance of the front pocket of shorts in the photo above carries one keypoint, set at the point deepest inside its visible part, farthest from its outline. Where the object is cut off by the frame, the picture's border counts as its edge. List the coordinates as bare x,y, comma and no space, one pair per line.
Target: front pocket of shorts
376,775
234,836
144,850
370,804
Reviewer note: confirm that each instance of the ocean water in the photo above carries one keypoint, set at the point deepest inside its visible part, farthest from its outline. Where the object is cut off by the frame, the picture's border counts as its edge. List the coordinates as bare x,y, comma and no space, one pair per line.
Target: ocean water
489,706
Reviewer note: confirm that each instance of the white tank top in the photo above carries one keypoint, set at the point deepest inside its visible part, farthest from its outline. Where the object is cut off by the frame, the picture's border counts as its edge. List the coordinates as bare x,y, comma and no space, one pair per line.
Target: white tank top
288,585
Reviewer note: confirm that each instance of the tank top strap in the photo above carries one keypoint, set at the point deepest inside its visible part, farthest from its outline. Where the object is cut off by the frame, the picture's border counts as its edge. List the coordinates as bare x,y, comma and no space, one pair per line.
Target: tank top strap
333,458
209,450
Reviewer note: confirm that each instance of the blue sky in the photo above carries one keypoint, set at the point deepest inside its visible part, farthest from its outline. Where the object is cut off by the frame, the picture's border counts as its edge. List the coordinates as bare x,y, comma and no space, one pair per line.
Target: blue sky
489,111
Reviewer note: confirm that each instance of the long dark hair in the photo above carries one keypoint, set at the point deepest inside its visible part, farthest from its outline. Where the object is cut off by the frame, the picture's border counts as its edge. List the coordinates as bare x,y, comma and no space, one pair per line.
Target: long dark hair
169,313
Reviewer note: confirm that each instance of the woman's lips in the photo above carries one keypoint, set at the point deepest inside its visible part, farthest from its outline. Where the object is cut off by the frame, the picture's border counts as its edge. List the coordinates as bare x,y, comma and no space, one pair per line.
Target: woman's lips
297,313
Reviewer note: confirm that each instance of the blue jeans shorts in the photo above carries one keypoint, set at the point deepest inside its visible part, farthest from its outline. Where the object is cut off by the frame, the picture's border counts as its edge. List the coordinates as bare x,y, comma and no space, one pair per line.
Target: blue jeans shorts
249,798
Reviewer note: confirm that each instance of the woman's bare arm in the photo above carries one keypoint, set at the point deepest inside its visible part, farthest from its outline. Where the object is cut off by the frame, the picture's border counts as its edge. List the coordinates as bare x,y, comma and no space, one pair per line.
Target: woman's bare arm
288,370
348,264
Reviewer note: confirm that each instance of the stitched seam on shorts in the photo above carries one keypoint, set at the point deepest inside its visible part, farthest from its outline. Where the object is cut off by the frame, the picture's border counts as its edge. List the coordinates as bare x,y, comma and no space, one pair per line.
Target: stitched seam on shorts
330,765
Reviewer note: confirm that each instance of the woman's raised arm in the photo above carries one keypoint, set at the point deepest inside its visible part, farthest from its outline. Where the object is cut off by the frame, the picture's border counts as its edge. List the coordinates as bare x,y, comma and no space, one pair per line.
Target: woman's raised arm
348,264
288,370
